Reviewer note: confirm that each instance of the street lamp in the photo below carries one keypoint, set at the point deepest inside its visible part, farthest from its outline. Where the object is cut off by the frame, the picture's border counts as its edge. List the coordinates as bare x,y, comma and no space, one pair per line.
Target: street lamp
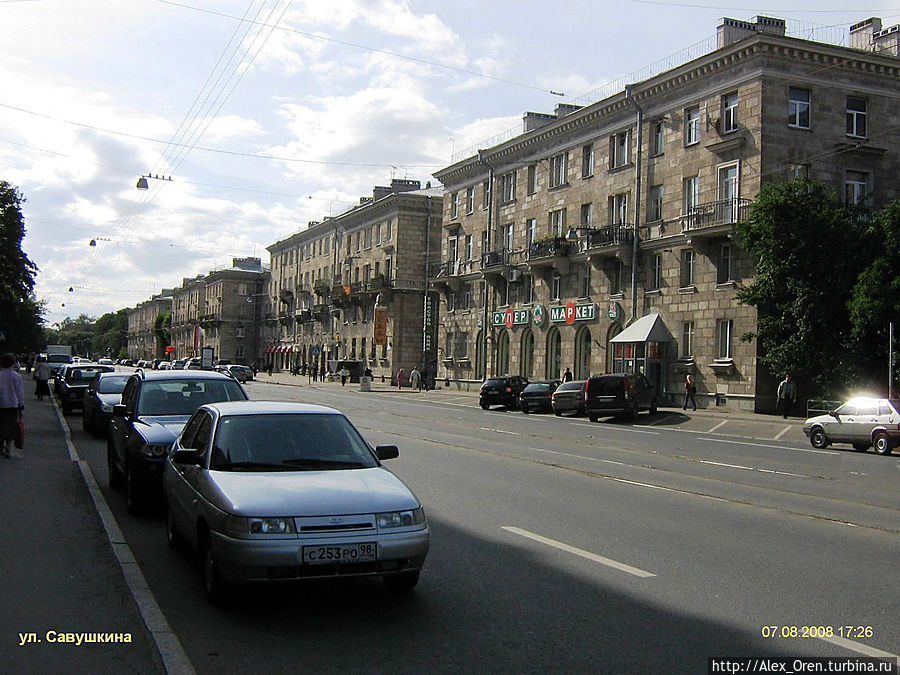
142,183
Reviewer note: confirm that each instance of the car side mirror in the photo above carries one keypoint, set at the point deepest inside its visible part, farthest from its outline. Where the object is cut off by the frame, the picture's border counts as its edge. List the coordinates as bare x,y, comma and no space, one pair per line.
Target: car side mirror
119,410
185,456
387,452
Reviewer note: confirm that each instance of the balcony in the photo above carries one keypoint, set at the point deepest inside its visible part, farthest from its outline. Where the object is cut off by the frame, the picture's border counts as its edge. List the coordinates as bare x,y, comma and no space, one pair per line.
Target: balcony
322,288
494,263
549,253
210,320
613,241
714,219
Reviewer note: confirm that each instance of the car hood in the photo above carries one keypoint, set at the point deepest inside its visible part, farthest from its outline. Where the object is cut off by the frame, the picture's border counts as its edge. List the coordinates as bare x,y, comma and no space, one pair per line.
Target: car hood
819,419
308,493
161,428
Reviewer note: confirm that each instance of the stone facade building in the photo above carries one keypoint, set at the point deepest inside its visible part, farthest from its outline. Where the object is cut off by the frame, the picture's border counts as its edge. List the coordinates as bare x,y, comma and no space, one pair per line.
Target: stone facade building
350,291
142,339
603,237
187,301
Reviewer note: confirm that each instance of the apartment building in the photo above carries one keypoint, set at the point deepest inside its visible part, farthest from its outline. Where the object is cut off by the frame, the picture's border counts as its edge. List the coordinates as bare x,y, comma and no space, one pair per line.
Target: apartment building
143,341
188,303
351,290
603,237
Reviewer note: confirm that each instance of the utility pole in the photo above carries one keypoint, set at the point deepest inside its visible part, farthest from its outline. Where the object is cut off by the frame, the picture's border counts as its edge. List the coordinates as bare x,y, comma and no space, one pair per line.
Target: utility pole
890,359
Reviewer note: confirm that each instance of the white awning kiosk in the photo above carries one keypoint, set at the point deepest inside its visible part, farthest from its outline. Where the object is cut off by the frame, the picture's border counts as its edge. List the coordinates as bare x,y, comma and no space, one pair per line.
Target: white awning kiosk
641,348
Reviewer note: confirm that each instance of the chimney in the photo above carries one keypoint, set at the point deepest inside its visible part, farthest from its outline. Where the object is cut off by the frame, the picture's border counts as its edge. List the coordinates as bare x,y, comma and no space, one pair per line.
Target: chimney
887,41
732,30
862,34
563,109
533,120
380,191
402,185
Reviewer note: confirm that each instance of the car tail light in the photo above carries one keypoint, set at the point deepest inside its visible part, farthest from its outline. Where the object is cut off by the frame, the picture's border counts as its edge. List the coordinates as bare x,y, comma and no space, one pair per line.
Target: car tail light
627,389
552,397
508,390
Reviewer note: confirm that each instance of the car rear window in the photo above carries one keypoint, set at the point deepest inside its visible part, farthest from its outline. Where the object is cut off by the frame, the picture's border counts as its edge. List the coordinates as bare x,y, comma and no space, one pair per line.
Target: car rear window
538,386
567,386
112,385
494,383
183,397
605,385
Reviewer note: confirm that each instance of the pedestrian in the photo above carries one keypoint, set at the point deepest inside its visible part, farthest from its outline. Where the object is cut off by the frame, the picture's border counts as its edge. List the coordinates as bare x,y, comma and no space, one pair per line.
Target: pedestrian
567,376
41,376
322,373
689,390
787,395
12,402
344,375
415,379
425,381
269,369
401,378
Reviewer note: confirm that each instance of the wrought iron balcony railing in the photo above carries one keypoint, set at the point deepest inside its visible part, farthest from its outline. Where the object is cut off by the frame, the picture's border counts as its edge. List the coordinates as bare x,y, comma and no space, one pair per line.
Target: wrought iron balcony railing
720,212
548,248
611,235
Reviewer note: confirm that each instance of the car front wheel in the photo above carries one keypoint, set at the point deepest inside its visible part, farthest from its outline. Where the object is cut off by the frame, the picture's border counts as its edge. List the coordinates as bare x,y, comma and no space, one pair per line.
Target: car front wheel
882,443
818,439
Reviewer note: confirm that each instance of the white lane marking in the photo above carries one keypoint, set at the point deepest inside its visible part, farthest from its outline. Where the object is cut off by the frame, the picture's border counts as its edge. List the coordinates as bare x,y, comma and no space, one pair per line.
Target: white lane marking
718,426
730,466
753,468
858,647
552,452
500,431
782,432
646,485
634,431
581,552
569,454
763,445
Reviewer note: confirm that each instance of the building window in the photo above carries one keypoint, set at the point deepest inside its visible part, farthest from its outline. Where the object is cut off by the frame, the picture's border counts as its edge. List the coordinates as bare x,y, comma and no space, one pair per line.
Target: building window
724,332
470,244
618,209
586,280
454,205
655,277
688,264
798,108
531,176
692,125
558,223
686,347
527,289
530,231
691,194
239,332
367,243
559,169
657,137
556,286
470,200
800,171
617,277
508,187
725,273
587,215
390,230
655,207
508,232
856,189
587,160
856,117
618,150
729,112
486,194
484,242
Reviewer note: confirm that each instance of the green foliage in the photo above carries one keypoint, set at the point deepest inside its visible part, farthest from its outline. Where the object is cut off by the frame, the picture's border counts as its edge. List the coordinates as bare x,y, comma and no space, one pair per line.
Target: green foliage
110,331
820,280
77,333
20,312
161,327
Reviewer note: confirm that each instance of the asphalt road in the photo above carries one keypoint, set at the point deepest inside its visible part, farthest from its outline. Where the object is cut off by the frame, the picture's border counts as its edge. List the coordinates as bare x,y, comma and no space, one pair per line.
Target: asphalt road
561,545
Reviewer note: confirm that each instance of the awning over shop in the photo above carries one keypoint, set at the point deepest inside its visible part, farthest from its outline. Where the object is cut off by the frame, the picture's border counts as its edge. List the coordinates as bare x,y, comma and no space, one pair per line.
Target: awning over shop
650,328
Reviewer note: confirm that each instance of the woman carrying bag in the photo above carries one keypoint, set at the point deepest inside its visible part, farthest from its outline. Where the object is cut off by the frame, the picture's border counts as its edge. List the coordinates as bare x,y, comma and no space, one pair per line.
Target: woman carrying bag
12,403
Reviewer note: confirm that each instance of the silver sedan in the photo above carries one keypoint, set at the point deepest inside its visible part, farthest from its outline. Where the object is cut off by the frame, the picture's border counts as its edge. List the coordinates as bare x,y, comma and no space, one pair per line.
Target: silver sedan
269,491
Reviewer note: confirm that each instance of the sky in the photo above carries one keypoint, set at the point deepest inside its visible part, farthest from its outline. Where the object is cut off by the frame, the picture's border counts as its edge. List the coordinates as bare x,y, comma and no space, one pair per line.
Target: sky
268,114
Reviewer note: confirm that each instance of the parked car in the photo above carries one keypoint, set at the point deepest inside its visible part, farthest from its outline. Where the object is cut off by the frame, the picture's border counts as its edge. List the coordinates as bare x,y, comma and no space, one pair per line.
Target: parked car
501,391
240,373
78,377
569,398
536,396
106,362
103,393
620,394
286,491
863,422
178,364
155,406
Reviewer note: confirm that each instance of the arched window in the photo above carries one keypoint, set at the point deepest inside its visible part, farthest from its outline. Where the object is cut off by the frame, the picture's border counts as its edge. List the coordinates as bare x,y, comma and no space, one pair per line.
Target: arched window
583,353
503,354
526,358
614,358
479,356
554,354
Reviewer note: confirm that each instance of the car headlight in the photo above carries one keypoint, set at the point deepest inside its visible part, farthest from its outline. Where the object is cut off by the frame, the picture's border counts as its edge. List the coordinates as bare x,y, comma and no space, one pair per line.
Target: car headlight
392,519
241,526
156,449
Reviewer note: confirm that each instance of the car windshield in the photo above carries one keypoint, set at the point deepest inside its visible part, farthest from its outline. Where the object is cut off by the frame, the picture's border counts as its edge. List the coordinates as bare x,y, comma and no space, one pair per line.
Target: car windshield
289,442
183,397
112,385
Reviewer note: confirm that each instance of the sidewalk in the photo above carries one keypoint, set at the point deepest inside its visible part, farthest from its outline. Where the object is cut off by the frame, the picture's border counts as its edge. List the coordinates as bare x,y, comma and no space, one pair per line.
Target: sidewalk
60,580
723,421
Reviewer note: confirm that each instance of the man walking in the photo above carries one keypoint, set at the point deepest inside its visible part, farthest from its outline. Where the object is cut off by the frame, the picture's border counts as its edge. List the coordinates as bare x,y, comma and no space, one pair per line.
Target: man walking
787,395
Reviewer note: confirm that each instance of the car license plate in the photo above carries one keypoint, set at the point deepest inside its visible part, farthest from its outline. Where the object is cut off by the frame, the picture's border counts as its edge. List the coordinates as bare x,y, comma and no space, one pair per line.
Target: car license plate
340,553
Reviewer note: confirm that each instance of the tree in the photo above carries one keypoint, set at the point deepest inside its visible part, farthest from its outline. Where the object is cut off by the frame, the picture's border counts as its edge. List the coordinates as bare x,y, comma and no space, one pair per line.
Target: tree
161,327
810,251
875,301
109,334
20,313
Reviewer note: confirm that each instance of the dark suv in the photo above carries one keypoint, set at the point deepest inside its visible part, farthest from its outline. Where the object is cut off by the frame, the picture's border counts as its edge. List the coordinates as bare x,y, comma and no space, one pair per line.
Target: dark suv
621,394
502,391
75,381
155,407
